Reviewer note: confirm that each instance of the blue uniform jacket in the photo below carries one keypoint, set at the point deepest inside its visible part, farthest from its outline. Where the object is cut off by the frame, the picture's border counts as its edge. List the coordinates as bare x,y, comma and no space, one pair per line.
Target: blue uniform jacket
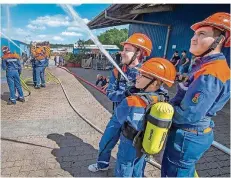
132,110
204,94
41,63
116,94
11,62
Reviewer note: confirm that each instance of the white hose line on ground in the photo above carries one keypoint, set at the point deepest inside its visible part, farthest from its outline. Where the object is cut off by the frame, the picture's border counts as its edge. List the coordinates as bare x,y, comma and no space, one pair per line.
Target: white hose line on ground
152,162
221,147
86,120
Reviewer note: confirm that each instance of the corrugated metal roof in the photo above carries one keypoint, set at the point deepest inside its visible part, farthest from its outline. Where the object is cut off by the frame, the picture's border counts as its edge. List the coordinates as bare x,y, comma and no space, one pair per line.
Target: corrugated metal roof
125,12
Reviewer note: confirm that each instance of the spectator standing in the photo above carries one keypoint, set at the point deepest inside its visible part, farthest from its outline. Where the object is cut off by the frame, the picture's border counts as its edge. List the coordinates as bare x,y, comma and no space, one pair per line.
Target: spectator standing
175,60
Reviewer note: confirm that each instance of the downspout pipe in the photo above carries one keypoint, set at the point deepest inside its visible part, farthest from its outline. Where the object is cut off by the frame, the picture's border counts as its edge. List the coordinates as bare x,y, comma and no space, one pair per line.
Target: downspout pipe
166,42
143,22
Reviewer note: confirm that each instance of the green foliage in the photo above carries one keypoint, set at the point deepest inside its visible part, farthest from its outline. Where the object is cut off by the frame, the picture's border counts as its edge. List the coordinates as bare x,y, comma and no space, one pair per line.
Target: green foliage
114,37
67,57
111,37
89,42
74,58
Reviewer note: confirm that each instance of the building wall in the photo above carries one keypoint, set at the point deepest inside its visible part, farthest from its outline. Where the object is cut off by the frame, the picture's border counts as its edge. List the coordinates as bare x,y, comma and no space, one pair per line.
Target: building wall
111,51
180,19
76,51
13,48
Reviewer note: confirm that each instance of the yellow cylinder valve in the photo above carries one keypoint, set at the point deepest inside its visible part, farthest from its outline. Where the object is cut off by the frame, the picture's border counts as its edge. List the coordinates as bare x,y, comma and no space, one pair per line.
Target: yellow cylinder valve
159,120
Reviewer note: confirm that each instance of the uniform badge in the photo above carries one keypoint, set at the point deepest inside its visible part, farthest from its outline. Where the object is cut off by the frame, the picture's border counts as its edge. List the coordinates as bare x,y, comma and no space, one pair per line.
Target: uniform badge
196,98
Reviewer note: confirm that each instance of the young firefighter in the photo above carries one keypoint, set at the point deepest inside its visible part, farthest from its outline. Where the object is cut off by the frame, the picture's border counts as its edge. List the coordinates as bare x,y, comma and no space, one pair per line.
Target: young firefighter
131,111
41,62
136,47
198,99
11,63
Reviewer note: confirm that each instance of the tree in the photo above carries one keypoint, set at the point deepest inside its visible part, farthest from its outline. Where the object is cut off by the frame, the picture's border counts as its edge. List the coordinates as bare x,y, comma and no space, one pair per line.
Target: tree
89,42
112,37
81,45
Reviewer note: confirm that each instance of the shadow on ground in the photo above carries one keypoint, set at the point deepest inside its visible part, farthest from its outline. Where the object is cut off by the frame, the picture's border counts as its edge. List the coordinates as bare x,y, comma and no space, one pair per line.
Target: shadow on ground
74,156
5,96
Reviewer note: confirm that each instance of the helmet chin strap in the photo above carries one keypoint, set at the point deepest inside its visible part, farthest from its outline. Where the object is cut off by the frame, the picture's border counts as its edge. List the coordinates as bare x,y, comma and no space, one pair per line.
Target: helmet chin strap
152,80
133,57
213,45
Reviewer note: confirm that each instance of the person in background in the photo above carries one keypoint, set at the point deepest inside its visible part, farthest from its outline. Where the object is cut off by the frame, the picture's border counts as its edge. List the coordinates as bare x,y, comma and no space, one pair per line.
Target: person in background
175,60
55,59
101,79
184,63
106,84
61,60
11,63
41,62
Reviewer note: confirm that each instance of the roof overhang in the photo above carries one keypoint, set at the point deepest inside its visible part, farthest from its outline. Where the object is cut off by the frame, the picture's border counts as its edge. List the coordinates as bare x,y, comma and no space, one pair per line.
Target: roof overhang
121,14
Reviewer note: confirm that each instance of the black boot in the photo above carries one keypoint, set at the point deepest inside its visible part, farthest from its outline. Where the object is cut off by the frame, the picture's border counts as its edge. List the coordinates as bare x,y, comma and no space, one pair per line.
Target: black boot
10,102
20,99
37,87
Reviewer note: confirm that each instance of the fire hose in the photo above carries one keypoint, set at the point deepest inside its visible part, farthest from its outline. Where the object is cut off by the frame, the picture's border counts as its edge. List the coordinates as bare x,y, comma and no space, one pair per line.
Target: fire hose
25,81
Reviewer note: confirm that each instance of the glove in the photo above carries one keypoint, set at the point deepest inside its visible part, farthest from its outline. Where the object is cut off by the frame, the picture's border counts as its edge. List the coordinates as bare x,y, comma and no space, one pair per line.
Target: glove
19,72
131,90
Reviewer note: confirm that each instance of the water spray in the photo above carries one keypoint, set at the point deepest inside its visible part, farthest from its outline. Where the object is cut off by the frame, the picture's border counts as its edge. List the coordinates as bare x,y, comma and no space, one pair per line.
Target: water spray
69,9
8,21
11,41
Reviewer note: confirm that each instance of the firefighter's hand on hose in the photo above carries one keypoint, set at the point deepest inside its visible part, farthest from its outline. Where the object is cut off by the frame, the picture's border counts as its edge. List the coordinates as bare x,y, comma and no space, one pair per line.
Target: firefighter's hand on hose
130,84
131,90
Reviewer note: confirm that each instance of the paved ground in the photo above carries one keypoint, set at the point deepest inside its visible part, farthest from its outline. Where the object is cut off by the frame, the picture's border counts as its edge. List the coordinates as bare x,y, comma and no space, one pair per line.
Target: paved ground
45,137
214,162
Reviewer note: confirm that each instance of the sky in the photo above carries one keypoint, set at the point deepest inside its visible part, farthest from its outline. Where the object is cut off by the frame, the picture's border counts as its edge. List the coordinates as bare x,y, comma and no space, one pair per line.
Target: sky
48,22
